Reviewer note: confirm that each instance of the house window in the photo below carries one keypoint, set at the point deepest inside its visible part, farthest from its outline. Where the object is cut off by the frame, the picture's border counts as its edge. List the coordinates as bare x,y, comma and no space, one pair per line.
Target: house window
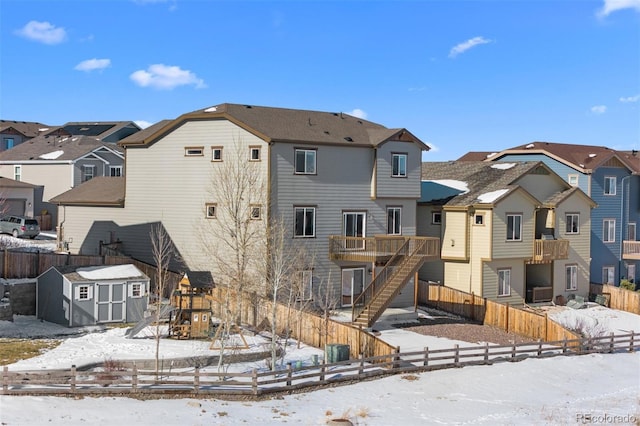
115,171
216,153
478,219
609,230
211,210
393,220
514,227
8,143
83,292
631,272
399,165
436,218
305,161
609,185
17,172
136,290
306,285
305,222
256,212
88,172
571,277
631,231
194,151
608,274
504,282
254,153
572,179
572,223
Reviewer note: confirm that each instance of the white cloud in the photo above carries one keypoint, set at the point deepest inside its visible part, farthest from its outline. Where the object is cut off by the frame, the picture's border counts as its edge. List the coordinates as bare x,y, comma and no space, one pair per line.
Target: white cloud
611,6
43,32
417,89
165,77
599,109
358,113
464,46
143,124
635,98
93,64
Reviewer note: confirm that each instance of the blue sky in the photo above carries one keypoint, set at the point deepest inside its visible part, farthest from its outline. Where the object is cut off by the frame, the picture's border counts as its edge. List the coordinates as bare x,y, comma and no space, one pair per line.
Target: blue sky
460,75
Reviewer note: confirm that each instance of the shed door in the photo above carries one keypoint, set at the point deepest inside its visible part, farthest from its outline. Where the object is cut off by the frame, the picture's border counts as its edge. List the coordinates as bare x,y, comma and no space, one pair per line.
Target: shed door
111,302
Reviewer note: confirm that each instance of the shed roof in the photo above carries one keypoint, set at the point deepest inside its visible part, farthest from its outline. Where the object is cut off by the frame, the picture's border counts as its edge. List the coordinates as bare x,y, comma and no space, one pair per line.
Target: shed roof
75,273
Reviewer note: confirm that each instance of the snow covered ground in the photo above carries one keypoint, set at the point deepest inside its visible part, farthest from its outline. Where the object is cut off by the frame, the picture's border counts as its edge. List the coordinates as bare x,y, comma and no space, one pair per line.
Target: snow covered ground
560,390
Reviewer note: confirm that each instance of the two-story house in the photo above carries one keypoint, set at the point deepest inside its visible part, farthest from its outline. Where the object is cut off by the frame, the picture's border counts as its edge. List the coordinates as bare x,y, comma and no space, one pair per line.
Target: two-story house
59,163
346,188
611,178
14,133
512,232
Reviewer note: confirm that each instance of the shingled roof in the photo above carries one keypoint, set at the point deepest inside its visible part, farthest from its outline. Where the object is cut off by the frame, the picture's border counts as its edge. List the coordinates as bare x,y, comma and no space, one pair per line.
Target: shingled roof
104,191
29,129
287,125
55,148
5,182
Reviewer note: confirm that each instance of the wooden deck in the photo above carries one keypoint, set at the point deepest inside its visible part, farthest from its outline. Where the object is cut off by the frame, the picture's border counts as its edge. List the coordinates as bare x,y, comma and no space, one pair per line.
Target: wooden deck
377,249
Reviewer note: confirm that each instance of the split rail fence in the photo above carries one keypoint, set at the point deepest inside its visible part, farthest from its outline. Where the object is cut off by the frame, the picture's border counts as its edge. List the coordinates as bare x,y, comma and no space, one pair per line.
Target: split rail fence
256,383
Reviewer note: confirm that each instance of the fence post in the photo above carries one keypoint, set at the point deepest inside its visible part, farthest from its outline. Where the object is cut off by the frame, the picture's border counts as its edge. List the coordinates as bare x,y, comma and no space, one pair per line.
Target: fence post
361,369
5,379
540,345
196,379
134,379
73,379
473,306
507,318
456,355
426,356
486,352
289,372
631,345
513,352
564,345
611,342
396,358
322,372
254,381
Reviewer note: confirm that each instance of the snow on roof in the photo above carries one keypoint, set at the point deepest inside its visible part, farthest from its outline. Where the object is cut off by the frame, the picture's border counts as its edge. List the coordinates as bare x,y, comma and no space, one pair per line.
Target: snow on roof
109,272
491,154
212,109
530,146
592,155
52,155
43,129
451,183
503,166
490,197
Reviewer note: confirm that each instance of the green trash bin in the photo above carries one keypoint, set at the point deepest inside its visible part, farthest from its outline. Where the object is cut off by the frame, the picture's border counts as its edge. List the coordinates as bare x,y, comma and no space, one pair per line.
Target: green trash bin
335,352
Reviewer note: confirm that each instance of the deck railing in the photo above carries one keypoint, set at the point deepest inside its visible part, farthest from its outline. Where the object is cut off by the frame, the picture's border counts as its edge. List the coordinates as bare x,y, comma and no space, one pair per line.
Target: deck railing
378,248
547,250
631,250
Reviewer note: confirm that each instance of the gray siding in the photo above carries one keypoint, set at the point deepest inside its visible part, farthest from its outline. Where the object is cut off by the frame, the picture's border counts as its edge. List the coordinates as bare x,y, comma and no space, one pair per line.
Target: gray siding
51,299
401,187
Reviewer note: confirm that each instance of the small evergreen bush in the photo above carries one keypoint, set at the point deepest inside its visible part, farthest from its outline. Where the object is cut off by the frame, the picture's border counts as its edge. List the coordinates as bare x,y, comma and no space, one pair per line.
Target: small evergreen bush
627,285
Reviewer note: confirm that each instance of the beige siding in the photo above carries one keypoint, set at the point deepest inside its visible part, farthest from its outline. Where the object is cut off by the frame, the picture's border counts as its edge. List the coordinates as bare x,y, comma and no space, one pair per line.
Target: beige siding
515,203
480,243
490,278
454,241
541,186
457,275
56,178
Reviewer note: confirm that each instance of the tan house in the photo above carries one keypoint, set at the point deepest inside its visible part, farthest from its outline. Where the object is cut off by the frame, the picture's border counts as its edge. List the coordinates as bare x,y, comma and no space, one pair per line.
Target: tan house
13,133
512,232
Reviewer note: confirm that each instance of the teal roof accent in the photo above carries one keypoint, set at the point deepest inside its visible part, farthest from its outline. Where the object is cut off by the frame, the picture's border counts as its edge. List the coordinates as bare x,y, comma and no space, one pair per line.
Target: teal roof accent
433,191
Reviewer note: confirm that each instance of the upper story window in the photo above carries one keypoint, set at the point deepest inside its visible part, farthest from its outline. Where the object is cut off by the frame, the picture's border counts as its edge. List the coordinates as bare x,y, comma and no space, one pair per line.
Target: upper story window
256,212
609,185
399,165
609,230
194,151
573,179
211,209
631,231
305,161
478,219
305,222
8,143
572,223
436,218
88,172
254,153
216,153
115,171
17,172
514,227
393,220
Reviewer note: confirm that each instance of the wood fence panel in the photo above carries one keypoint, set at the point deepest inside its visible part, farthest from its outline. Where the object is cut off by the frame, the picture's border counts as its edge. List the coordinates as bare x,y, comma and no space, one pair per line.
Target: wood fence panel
623,299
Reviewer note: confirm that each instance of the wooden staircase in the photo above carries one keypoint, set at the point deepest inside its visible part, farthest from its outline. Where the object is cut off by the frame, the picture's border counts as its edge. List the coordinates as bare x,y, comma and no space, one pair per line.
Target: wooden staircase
369,306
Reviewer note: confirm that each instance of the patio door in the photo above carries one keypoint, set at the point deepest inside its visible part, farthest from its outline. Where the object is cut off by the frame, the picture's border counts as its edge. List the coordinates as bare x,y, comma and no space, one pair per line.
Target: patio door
352,285
110,302
354,225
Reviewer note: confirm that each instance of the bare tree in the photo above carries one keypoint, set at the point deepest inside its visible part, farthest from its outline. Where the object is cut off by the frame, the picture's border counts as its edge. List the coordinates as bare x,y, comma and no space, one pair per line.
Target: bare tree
326,301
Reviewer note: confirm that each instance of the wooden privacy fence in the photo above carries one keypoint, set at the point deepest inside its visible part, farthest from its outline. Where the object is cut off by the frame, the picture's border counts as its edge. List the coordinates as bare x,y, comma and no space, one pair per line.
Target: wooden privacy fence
488,312
307,327
621,298
256,383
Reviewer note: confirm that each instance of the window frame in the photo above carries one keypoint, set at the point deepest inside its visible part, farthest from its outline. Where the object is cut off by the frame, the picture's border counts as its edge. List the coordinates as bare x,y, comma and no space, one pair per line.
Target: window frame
571,277
575,220
258,150
608,230
194,151
9,143
572,176
631,276
207,214
113,168
17,172
85,168
632,236
477,216
304,210
504,285
433,217
252,209
514,230
213,153
84,292
397,221
306,152
137,290
305,292
605,274
399,173
612,190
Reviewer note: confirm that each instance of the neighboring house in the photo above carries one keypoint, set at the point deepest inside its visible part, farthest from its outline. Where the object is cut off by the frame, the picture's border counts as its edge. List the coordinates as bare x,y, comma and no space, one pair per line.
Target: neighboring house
105,131
346,187
77,296
18,198
59,163
511,232
611,178
13,133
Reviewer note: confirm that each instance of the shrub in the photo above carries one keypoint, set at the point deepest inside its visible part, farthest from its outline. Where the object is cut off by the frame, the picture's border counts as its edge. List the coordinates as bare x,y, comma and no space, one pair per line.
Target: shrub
626,284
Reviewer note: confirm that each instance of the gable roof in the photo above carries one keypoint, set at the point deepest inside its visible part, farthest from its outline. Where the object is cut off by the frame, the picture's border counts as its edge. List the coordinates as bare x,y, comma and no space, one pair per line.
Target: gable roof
584,158
76,273
104,191
11,183
200,279
29,129
476,156
287,125
56,149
